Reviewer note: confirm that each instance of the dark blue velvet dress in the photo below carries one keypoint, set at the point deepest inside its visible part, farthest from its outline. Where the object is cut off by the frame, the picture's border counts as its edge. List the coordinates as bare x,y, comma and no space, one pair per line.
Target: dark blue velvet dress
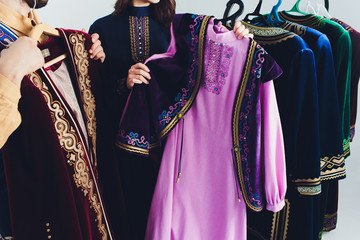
127,39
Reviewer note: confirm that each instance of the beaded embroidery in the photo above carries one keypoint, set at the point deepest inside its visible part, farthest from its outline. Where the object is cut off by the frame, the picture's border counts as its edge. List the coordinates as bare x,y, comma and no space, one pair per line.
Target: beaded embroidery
139,34
217,67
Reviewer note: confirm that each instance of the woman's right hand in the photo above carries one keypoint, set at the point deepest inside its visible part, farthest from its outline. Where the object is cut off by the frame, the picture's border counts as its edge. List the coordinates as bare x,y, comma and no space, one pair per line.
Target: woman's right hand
21,58
138,74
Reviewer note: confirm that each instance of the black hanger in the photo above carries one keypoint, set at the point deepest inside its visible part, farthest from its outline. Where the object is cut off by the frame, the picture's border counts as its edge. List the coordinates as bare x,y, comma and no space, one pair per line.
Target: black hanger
234,16
256,13
327,4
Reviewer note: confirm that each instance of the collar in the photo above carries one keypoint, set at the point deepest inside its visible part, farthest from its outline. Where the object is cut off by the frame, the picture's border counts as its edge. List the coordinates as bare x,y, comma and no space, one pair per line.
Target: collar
20,24
139,11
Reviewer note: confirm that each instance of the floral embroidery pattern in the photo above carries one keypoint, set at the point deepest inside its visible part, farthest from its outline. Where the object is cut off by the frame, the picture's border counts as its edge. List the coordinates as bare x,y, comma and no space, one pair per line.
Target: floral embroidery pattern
182,98
217,67
244,124
134,140
139,34
243,109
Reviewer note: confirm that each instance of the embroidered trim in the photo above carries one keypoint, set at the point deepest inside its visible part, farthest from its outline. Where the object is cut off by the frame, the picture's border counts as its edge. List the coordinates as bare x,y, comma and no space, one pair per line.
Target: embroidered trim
309,186
308,182
88,99
347,27
299,29
346,144
352,133
269,36
333,168
70,143
140,38
330,222
217,67
169,118
7,36
310,191
309,21
139,144
280,223
82,62
242,108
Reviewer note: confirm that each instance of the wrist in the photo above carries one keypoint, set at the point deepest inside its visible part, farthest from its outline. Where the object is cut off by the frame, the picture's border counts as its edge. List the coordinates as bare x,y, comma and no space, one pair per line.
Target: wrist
11,73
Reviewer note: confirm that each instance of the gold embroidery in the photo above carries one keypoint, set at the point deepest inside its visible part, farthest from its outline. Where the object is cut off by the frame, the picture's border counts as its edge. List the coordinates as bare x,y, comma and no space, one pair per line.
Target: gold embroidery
133,149
280,223
75,152
235,130
139,38
309,21
82,63
308,182
188,104
269,36
332,168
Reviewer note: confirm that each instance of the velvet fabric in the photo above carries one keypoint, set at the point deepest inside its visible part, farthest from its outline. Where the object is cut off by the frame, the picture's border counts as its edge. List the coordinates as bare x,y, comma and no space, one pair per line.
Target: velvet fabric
341,47
355,73
52,182
196,195
297,97
135,174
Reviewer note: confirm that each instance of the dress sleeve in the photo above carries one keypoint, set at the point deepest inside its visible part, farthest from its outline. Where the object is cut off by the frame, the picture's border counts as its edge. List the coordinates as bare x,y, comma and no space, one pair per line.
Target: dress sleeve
273,149
10,117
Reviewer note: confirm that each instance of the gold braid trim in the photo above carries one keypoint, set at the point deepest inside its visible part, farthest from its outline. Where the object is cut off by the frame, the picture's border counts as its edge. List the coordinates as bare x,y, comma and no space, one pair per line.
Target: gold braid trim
280,223
75,152
88,99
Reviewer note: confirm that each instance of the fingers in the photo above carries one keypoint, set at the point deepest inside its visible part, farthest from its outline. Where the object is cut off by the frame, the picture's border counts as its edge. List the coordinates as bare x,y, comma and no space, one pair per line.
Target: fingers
141,66
241,31
135,79
95,37
138,74
83,30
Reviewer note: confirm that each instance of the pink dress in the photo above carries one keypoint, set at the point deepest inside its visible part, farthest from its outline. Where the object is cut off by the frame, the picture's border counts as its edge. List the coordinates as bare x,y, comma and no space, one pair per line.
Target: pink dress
204,202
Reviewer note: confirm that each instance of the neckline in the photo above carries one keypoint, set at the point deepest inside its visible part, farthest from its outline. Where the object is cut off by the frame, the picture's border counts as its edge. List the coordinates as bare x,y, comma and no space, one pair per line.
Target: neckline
139,11
215,33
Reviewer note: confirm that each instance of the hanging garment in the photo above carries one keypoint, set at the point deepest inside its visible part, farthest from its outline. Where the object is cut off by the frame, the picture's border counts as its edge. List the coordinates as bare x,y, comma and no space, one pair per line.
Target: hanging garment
331,150
211,97
127,38
49,160
331,208
341,48
355,72
297,97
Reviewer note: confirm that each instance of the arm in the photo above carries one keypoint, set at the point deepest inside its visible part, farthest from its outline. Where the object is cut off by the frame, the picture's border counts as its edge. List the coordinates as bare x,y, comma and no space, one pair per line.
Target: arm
21,58
273,149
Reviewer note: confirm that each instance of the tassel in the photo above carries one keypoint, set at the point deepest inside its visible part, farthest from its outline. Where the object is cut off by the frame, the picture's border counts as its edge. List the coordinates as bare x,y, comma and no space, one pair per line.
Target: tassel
237,184
181,149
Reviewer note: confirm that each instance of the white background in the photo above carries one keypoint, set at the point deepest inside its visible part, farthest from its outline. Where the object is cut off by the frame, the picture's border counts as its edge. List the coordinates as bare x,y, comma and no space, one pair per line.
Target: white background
78,14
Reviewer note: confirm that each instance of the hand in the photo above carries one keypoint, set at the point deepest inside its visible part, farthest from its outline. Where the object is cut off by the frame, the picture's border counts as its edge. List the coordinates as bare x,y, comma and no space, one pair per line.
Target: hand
96,51
21,58
137,74
241,32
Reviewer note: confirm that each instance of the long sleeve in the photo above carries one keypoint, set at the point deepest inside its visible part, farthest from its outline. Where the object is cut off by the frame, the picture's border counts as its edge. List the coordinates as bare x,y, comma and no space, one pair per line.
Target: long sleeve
10,117
273,149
